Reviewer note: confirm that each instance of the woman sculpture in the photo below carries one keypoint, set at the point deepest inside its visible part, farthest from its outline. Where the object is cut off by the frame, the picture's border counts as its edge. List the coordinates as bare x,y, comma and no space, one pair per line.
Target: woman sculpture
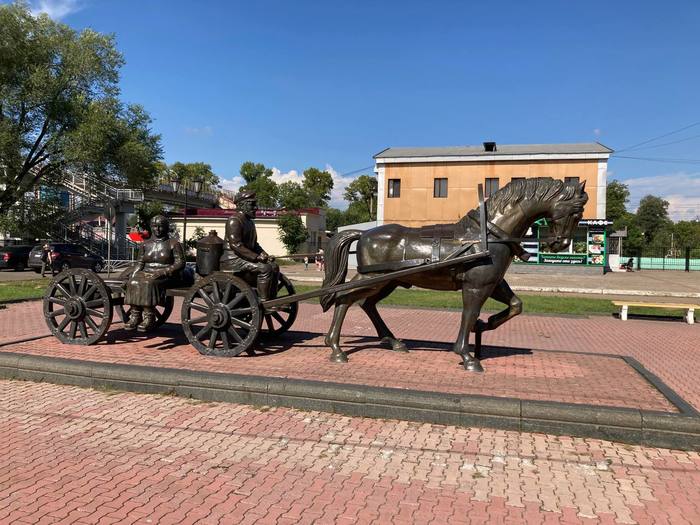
159,266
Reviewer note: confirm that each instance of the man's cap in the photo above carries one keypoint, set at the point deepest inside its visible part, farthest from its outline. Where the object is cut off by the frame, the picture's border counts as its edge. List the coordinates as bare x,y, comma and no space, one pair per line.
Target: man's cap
244,195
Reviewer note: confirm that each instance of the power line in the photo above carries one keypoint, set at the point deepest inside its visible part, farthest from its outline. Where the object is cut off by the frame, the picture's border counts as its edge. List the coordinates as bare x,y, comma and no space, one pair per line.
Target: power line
659,159
356,171
659,137
668,143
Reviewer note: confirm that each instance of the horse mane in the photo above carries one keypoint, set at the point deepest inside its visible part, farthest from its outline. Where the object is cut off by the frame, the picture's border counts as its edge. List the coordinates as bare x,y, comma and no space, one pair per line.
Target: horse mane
535,190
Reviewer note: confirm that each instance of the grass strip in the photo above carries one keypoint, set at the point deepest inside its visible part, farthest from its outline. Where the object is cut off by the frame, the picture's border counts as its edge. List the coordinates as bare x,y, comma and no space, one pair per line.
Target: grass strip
22,290
535,304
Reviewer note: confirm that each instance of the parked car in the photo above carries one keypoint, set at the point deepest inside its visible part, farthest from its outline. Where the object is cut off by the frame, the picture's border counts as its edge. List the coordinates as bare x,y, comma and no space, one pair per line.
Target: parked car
66,256
14,257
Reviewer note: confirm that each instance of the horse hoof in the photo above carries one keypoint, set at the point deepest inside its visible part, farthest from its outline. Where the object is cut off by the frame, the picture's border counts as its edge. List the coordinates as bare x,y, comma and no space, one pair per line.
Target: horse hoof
339,357
473,365
397,345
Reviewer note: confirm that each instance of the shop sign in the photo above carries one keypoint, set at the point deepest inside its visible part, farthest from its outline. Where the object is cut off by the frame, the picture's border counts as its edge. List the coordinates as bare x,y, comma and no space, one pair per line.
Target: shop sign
562,258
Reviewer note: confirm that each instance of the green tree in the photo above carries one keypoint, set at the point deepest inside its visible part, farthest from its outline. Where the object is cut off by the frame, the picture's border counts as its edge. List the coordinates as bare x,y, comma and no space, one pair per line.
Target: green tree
293,233
334,219
687,233
145,212
190,171
362,193
318,185
258,178
32,218
59,108
198,234
652,216
616,196
293,196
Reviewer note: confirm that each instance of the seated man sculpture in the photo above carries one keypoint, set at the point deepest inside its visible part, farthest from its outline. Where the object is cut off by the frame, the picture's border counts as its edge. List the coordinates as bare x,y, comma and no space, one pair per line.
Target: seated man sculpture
243,254
159,266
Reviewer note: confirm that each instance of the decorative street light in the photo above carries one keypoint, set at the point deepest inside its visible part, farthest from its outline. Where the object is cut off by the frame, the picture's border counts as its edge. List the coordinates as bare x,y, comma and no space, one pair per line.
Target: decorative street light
197,186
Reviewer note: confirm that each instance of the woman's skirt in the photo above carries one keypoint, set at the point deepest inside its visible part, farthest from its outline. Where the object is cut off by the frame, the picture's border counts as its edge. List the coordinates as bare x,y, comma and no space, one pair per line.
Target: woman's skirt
143,289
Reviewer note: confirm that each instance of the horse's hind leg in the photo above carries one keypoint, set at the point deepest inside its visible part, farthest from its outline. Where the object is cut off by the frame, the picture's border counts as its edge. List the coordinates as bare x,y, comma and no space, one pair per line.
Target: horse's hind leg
333,337
369,305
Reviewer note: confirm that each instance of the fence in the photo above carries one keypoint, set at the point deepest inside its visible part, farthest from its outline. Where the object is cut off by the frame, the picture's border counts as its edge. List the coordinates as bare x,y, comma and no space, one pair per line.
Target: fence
664,258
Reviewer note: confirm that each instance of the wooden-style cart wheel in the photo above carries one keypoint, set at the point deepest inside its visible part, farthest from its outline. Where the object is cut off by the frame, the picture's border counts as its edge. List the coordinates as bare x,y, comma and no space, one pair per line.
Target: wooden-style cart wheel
78,307
162,311
221,316
279,319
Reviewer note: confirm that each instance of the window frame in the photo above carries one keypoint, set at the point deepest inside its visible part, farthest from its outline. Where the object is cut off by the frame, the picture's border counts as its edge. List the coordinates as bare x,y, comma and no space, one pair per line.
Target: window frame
488,183
437,188
391,186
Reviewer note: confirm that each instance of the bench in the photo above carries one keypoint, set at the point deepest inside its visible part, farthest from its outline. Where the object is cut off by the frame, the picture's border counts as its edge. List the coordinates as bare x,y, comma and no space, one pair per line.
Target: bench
689,316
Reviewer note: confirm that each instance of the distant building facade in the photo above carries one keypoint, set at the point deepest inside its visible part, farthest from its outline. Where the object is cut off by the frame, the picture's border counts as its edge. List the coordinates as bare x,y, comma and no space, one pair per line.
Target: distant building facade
266,225
419,186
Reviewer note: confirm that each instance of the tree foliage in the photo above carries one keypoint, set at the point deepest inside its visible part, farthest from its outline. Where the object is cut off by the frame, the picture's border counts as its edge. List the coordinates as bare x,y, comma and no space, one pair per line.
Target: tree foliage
617,195
318,185
32,218
362,194
258,178
293,233
187,172
292,196
652,216
59,108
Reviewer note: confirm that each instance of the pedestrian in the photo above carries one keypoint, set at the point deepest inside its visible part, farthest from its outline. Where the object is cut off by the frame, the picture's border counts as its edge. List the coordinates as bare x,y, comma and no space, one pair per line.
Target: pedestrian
47,259
306,263
320,262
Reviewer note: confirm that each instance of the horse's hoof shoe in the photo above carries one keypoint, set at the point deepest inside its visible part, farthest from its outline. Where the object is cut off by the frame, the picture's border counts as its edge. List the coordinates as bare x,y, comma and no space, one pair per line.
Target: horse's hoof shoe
339,358
473,366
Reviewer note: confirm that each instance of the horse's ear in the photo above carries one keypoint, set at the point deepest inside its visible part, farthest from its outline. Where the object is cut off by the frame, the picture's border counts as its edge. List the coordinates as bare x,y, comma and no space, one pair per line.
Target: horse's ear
582,186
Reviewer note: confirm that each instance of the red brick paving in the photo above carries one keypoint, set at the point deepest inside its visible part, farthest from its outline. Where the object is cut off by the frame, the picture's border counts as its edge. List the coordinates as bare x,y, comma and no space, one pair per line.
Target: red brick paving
516,365
74,455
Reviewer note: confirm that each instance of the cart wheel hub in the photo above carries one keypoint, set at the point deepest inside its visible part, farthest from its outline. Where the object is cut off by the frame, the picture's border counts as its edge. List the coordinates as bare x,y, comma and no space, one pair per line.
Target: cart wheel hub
220,317
74,308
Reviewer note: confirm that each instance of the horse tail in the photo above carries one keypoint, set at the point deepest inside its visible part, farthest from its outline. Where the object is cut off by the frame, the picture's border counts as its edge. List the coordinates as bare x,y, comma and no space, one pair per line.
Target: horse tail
337,262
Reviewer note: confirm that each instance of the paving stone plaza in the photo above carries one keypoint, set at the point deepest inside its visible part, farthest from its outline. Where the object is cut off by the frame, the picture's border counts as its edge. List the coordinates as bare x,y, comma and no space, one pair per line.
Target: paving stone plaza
78,455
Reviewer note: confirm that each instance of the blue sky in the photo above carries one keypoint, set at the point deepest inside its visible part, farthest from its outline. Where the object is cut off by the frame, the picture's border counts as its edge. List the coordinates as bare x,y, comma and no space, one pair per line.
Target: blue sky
295,84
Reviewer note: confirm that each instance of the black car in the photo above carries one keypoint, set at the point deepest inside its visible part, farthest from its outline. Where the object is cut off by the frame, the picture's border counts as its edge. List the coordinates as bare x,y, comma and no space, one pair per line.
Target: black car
66,256
14,257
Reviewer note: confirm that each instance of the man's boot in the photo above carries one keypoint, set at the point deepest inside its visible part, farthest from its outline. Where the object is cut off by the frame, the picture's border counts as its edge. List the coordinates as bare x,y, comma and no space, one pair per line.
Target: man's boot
266,288
149,319
134,318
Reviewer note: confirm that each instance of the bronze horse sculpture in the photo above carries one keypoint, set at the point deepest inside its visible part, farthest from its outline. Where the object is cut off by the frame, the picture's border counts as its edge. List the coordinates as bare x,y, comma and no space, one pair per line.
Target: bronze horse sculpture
510,212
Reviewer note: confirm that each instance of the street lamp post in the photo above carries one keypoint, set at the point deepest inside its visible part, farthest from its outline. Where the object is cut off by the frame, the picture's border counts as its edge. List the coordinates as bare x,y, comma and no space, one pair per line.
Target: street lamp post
197,186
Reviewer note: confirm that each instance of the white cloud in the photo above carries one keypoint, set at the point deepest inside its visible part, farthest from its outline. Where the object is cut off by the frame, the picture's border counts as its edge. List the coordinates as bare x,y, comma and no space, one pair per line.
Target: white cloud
232,184
56,9
680,189
597,132
204,131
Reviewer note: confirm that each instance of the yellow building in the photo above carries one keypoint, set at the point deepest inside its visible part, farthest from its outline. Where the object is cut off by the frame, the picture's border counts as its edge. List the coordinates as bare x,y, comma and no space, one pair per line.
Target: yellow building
418,186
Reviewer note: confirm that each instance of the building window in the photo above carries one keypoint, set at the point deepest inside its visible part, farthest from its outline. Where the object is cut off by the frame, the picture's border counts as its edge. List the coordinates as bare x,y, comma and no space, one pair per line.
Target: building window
394,189
440,188
571,180
490,187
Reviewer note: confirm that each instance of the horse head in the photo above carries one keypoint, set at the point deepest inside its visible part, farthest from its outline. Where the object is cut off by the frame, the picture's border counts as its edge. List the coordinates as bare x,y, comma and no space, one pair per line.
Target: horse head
566,212
521,202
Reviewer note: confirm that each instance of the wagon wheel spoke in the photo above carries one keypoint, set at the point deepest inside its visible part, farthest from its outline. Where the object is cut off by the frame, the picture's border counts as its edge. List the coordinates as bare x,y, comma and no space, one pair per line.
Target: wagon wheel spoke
73,328
94,302
241,324
81,286
227,292
197,320
55,313
213,338
206,298
90,291
63,323
235,301
83,329
224,339
202,333
71,284
56,300
63,290
234,334
199,307
269,323
91,311
239,311
215,295
277,316
91,323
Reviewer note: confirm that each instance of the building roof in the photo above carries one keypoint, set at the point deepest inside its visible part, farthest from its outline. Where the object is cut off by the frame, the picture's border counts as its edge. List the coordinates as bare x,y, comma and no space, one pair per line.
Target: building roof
501,149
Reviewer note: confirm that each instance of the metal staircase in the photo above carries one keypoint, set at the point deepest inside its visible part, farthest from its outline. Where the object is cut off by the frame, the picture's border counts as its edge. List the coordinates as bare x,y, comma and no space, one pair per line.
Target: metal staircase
91,196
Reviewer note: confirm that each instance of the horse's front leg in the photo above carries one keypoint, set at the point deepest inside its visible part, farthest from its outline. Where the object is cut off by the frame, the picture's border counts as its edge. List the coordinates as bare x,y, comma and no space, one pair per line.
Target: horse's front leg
472,300
503,294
